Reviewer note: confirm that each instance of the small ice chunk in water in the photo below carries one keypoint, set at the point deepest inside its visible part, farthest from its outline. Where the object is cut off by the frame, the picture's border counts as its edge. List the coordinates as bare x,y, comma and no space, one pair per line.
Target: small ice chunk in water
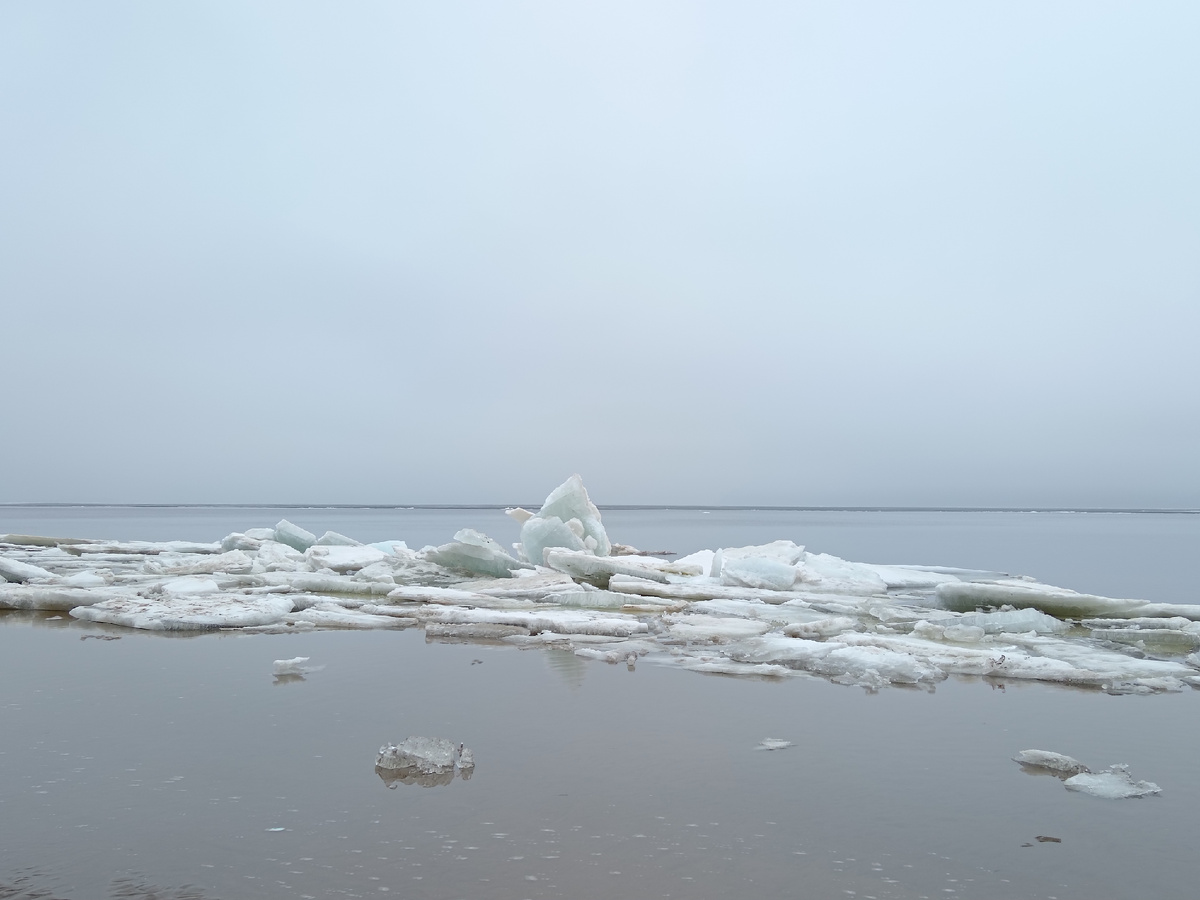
294,536
773,744
423,760
1053,762
293,666
1114,783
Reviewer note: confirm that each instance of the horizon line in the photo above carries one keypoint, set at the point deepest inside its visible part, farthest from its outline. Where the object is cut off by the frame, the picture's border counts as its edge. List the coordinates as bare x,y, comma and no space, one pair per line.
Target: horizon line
614,506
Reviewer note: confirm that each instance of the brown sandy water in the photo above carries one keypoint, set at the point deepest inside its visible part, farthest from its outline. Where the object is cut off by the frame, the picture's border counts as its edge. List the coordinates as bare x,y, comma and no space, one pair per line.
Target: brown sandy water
153,766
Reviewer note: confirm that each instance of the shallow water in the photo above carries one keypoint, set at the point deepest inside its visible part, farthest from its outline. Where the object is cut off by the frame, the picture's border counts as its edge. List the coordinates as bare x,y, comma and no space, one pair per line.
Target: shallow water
159,766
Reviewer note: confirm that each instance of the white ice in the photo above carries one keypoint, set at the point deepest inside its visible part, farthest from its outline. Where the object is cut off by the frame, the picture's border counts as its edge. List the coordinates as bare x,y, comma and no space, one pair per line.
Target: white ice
764,610
1051,761
16,571
293,535
187,613
1114,783
293,666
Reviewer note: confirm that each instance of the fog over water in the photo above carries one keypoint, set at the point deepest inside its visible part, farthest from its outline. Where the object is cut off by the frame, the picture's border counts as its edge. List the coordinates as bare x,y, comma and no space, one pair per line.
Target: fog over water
831,253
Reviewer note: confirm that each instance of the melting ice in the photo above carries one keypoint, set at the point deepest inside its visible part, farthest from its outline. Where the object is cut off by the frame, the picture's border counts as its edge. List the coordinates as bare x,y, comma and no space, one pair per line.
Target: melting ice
770,610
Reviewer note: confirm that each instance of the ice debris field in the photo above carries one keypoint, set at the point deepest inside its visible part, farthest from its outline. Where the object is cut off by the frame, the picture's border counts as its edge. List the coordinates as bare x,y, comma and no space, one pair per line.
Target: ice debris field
775,610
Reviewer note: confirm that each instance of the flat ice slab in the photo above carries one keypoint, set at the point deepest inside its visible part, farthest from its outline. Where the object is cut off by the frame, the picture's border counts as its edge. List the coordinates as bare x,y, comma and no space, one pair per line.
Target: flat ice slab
1114,783
1051,762
187,613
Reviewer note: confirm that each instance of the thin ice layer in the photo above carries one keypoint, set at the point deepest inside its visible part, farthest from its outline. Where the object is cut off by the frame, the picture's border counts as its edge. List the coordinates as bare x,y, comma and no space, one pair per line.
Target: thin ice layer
188,613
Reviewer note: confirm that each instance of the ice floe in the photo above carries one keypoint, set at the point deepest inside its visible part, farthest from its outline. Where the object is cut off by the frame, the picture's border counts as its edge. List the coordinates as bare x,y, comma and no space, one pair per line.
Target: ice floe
425,761
1114,783
771,610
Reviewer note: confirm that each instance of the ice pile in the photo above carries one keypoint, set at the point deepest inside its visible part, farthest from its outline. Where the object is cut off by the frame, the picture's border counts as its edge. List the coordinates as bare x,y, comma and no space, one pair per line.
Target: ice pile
425,761
769,610
1113,783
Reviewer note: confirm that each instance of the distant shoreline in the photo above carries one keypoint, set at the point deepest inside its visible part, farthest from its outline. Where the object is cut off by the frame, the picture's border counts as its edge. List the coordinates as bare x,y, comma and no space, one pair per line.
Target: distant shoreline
619,506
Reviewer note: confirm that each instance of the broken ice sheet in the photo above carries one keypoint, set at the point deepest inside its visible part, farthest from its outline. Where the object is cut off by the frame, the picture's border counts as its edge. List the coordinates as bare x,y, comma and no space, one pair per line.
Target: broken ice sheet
1049,761
773,744
1114,783
425,761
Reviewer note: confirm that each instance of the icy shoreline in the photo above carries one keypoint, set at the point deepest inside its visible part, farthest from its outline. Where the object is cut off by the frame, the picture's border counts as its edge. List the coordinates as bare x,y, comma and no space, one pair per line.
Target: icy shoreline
768,610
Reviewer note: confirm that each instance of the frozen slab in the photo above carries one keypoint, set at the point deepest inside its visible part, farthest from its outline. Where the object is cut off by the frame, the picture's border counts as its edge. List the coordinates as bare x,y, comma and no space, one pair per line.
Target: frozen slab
333,539
190,584
1016,621
476,631
1161,640
52,597
140,548
318,583
598,570
831,573
293,535
343,559
476,554
910,577
561,621
19,572
759,572
787,552
713,629
332,615
187,613
88,578
540,534
1059,602
239,541
1057,763
273,556
36,540
297,665
1114,783
233,562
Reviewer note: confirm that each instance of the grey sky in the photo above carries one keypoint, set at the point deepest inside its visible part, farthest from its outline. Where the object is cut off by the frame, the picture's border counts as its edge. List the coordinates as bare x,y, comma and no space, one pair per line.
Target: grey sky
777,253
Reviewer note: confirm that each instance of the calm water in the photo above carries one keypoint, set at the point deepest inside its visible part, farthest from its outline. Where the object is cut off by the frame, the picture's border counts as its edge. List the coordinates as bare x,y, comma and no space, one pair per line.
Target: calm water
157,766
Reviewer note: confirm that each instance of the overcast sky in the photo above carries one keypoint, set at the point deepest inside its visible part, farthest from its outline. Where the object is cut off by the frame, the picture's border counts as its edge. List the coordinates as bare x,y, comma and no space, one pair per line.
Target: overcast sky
919,253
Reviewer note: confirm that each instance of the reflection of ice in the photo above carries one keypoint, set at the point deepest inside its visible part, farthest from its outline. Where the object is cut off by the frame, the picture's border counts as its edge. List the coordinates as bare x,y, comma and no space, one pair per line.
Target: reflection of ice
424,761
567,666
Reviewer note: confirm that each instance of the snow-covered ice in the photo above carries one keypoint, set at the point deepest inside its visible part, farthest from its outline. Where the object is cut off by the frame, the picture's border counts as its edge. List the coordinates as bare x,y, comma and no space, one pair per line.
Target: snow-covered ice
776,609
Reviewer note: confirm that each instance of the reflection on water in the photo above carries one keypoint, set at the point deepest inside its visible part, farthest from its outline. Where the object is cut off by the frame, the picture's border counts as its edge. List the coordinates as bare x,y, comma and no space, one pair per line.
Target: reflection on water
395,777
33,885
567,666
